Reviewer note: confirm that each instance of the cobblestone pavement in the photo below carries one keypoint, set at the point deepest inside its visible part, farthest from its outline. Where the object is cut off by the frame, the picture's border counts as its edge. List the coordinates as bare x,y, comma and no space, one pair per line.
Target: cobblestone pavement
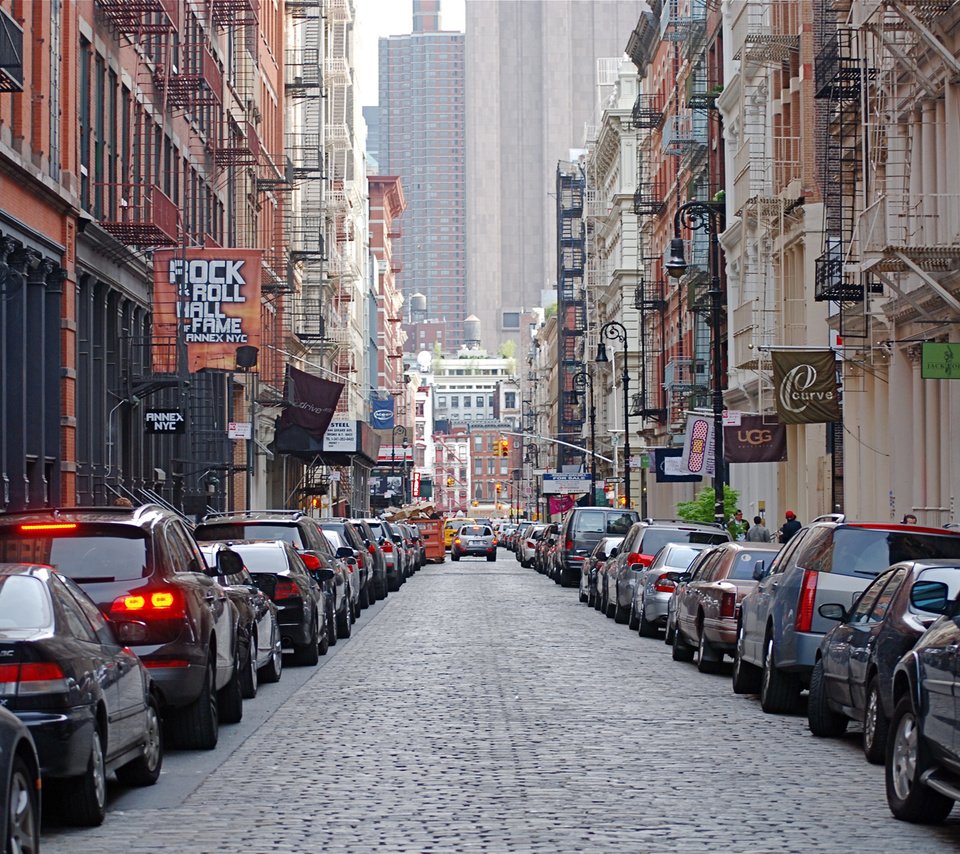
484,709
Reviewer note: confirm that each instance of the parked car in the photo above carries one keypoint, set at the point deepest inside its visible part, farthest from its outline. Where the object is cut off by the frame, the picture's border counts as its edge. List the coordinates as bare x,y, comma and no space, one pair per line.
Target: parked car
527,547
258,634
852,677
143,565
650,588
348,555
277,568
474,541
393,557
545,547
364,554
640,545
831,560
83,694
372,542
923,752
708,598
582,528
20,800
605,549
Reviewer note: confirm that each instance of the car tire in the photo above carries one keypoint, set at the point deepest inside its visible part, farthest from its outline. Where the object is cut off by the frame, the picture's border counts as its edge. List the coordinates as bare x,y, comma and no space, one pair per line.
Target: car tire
197,726
609,608
23,809
249,680
365,595
324,641
454,557
669,633
634,622
331,626
907,760
708,660
876,725
230,700
85,799
645,627
621,614
145,769
273,669
682,651
308,654
823,721
491,558
583,597
746,676
779,691
343,621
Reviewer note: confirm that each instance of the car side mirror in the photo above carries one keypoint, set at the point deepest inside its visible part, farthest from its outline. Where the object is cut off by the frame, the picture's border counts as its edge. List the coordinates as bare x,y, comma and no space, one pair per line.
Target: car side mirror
833,611
322,575
345,551
229,562
614,552
933,596
683,577
760,570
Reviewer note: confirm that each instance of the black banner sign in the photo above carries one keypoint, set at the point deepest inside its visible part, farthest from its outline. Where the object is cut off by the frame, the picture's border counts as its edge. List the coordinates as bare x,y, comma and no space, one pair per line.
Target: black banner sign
805,383
163,421
758,439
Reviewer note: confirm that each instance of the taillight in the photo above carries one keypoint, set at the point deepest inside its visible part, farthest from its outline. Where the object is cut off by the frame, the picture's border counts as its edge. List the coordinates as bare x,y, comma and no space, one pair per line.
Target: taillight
387,547
372,549
665,584
633,559
148,604
286,589
32,677
49,526
457,541
568,545
728,604
808,595
311,562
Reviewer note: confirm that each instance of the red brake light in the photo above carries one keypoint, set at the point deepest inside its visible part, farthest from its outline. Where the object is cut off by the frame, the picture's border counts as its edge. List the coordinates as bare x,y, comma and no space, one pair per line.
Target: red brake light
568,544
808,595
32,677
311,562
286,589
665,584
457,541
633,559
57,526
141,604
387,547
728,604
372,549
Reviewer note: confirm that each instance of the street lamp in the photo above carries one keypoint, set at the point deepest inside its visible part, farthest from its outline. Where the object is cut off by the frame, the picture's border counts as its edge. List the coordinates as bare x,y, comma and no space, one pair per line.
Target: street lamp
399,430
533,458
709,218
580,381
615,331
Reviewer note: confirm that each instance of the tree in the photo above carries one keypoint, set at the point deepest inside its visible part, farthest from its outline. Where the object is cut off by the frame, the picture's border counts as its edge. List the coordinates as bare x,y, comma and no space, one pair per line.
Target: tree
701,508
508,349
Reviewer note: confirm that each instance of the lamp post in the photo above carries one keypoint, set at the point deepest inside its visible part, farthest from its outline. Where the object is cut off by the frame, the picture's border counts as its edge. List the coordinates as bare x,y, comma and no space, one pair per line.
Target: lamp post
580,381
707,217
399,430
615,331
533,458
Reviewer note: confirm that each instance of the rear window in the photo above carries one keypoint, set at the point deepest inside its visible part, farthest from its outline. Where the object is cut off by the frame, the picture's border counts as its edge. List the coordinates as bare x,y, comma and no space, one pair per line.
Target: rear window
261,559
24,603
475,531
655,539
744,564
602,522
866,552
83,553
250,531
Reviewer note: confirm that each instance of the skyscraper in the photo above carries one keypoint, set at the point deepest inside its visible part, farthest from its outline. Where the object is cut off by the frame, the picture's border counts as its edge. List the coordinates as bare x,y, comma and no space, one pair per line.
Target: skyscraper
421,140
530,88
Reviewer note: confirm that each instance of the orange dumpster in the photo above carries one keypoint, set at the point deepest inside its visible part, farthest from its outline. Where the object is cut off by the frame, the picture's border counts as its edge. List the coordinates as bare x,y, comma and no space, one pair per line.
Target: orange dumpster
432,530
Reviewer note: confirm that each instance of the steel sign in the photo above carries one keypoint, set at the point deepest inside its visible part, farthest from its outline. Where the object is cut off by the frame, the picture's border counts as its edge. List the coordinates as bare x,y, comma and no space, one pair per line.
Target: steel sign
566,484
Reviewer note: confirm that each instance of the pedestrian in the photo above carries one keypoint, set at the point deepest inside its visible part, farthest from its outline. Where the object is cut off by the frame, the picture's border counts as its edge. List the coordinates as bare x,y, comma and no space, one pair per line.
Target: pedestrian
908,519
759,533
737,526
790,527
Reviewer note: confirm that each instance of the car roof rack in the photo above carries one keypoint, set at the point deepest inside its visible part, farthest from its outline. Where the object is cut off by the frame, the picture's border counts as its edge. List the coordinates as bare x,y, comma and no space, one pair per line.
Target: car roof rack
831,517
84,508
253,514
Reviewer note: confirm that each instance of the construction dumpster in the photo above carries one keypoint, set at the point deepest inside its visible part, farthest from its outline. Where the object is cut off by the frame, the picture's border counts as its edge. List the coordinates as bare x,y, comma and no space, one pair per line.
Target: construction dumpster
432,530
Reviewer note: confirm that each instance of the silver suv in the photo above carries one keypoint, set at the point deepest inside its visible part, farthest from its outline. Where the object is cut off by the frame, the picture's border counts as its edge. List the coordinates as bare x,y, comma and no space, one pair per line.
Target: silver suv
829,561
475,540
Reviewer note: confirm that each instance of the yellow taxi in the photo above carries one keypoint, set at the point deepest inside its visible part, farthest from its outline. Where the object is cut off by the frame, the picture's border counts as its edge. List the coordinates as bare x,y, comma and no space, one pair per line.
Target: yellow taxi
451,526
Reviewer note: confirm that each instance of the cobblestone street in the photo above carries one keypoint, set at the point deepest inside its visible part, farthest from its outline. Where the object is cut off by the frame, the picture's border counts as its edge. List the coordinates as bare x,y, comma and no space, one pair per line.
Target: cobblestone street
482,708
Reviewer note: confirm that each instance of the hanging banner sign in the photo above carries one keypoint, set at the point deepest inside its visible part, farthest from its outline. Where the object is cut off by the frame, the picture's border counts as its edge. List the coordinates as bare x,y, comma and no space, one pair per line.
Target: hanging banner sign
940,361
210,297
757,439
669,466
382,414
805,385
164,421
698,446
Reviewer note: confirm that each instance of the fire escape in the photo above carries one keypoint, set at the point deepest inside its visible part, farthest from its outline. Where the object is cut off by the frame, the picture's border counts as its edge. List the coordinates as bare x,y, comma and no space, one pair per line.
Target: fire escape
571,305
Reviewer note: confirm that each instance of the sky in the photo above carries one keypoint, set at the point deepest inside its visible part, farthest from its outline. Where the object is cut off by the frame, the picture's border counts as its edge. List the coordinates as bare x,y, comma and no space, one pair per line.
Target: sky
376,18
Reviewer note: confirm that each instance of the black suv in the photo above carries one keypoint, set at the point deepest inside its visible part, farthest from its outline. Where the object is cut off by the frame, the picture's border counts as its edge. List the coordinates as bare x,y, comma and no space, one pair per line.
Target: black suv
304,534
142,566
582,529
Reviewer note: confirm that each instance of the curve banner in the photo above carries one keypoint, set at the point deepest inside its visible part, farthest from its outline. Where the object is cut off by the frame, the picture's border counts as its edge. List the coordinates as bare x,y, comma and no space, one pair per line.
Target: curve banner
805,386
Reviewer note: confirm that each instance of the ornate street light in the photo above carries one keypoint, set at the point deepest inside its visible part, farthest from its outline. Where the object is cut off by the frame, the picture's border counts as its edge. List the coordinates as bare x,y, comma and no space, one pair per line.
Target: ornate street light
707,217
580,381
399,430
615,331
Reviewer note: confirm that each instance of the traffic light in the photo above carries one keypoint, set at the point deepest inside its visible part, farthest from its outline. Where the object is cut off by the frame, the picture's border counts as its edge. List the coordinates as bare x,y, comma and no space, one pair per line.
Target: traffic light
450,481
504,447
499,488
622,501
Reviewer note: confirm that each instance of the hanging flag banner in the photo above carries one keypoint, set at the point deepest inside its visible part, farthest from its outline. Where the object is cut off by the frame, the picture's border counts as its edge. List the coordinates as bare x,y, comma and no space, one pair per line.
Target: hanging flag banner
668,463
561,504
805,386
382,414
756,439
212,297
940,361
698,446
310,402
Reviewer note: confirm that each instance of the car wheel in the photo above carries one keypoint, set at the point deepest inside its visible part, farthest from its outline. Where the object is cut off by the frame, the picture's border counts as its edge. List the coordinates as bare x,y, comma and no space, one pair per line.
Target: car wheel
583,597
331,626
274,668
196,727
248,680
908,760
682,651
634,622
23,811
85,801
746,676
324,642
670,631
491,558
708,661
343,621
454,557
876,725
645,627
230,699
309,653
145,769
779,691
823,721
365,595
620,613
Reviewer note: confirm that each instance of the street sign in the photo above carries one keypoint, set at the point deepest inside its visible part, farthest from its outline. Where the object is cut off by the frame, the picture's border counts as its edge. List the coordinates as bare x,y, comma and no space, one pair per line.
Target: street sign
239,430
566,484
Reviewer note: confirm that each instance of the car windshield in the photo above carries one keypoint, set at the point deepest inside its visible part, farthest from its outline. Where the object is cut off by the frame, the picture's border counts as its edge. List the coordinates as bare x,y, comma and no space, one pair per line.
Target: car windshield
24,604
81,552
745,562
603,522
867,552
250,531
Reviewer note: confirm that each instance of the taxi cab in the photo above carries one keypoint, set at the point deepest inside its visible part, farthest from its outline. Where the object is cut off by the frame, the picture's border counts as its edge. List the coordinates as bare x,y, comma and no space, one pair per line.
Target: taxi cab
451,526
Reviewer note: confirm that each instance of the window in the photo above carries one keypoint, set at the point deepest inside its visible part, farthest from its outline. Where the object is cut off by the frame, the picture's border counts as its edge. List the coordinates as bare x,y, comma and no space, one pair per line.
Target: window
455,400
510,400
466,401
861,611
510,320
480,401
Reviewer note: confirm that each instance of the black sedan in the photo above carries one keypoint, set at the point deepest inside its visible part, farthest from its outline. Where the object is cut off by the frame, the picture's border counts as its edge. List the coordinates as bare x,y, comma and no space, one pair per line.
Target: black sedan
278,569
19,786
84,696
853,676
